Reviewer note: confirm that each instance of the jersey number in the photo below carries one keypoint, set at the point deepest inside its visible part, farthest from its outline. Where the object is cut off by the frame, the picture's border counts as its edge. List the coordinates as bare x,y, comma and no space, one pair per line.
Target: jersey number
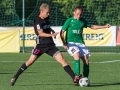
37,51
73,50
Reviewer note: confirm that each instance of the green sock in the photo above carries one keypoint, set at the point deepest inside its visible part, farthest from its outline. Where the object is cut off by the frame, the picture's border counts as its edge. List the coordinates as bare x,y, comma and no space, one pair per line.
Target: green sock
86,70
77,67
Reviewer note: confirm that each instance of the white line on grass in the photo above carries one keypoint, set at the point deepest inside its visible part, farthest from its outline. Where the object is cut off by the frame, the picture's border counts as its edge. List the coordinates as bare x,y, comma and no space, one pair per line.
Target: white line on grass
111,61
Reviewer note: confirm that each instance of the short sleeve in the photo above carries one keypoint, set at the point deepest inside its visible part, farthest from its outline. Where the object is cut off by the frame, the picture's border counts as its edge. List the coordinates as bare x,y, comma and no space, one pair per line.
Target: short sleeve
86,24
66,24
38,24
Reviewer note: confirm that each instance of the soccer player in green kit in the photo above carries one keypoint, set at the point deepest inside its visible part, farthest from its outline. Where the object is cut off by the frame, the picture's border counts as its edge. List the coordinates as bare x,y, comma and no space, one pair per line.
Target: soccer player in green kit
73,42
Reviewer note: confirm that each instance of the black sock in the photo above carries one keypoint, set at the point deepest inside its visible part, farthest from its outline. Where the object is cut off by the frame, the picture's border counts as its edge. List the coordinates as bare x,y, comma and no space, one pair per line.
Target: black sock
69,71
86,70
21,69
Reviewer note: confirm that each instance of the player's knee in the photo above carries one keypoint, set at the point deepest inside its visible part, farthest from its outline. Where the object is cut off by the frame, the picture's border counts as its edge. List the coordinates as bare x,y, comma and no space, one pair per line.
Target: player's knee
76,56
59,57
63,62
87,62
29,62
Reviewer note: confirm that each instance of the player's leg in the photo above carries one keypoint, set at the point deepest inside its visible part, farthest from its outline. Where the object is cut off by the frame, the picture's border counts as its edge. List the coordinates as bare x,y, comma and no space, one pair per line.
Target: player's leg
84,56
30,61
59,57
85,65
23,68
77,63
25,65
74,51
54,52
63,62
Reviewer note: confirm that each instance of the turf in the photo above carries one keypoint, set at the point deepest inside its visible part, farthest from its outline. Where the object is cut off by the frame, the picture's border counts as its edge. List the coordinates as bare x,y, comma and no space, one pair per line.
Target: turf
48,74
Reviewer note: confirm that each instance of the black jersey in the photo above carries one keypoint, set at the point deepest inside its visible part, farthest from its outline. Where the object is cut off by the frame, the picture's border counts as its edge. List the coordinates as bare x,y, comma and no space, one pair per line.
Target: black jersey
43,24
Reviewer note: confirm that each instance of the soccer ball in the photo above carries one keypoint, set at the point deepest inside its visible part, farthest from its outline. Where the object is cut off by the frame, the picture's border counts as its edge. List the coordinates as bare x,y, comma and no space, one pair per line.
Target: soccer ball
84,82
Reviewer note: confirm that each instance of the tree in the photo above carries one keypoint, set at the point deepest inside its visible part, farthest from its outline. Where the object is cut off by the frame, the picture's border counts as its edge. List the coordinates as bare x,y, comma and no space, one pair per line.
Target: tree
103,11
68,6
106,11
7,7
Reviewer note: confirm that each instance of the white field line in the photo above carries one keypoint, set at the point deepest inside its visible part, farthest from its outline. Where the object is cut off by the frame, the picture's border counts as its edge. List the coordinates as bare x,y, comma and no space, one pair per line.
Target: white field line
111,61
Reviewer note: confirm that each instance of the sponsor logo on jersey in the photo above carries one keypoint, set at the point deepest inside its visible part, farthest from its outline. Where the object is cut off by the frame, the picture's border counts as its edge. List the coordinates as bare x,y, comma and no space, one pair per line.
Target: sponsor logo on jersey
77,31
46,26
72,21
38,26
81,24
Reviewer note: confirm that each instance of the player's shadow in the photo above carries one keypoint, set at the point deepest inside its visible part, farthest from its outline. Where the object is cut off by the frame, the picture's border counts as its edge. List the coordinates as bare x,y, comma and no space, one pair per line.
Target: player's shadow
5,73
92,85
30,72
104,84
14,73
46,84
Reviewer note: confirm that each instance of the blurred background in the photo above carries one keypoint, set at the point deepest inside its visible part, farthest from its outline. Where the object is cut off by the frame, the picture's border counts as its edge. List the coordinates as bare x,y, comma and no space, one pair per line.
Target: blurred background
94,11
100,12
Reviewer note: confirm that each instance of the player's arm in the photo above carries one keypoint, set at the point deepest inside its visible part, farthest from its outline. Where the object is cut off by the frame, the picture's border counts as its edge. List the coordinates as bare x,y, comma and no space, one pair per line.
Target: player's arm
62,33
52,30
94,27
99,27
43,34
64,28
40,31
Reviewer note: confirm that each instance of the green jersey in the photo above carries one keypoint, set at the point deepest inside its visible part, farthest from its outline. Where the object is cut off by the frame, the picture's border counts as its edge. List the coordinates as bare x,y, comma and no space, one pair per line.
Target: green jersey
74,29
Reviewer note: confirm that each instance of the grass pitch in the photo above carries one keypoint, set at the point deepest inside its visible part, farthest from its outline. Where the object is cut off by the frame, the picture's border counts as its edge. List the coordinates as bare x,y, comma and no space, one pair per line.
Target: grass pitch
47,74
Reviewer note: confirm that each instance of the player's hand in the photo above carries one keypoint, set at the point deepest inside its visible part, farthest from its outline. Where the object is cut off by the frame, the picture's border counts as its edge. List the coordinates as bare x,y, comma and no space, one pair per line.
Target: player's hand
55,34
107,25
65,46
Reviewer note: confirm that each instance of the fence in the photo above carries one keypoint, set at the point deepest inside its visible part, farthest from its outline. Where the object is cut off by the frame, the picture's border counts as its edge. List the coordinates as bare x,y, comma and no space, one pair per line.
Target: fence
94,11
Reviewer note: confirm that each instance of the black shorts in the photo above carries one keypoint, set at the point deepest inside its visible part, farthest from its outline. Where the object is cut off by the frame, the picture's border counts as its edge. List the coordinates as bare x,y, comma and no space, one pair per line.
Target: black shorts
49,49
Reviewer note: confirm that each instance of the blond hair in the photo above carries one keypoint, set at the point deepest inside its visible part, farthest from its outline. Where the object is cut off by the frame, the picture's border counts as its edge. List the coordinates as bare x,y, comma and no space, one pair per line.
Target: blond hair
44,6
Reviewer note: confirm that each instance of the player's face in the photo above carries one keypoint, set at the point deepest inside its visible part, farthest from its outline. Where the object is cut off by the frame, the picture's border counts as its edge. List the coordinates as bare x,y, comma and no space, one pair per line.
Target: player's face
77,13
45,13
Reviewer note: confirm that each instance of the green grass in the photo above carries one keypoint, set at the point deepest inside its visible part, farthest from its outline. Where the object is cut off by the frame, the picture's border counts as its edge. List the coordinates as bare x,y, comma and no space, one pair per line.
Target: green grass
47,74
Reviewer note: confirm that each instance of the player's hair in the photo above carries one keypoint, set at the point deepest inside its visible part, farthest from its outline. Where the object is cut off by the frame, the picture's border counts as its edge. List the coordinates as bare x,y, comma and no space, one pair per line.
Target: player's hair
44,6
78,7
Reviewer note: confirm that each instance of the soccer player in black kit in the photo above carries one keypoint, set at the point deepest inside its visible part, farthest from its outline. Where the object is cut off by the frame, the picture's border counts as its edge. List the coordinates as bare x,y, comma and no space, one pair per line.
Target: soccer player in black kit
44,44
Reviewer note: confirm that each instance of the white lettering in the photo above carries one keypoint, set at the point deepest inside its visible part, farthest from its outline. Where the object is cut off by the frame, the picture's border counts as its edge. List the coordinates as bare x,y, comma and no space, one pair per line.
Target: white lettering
77,31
